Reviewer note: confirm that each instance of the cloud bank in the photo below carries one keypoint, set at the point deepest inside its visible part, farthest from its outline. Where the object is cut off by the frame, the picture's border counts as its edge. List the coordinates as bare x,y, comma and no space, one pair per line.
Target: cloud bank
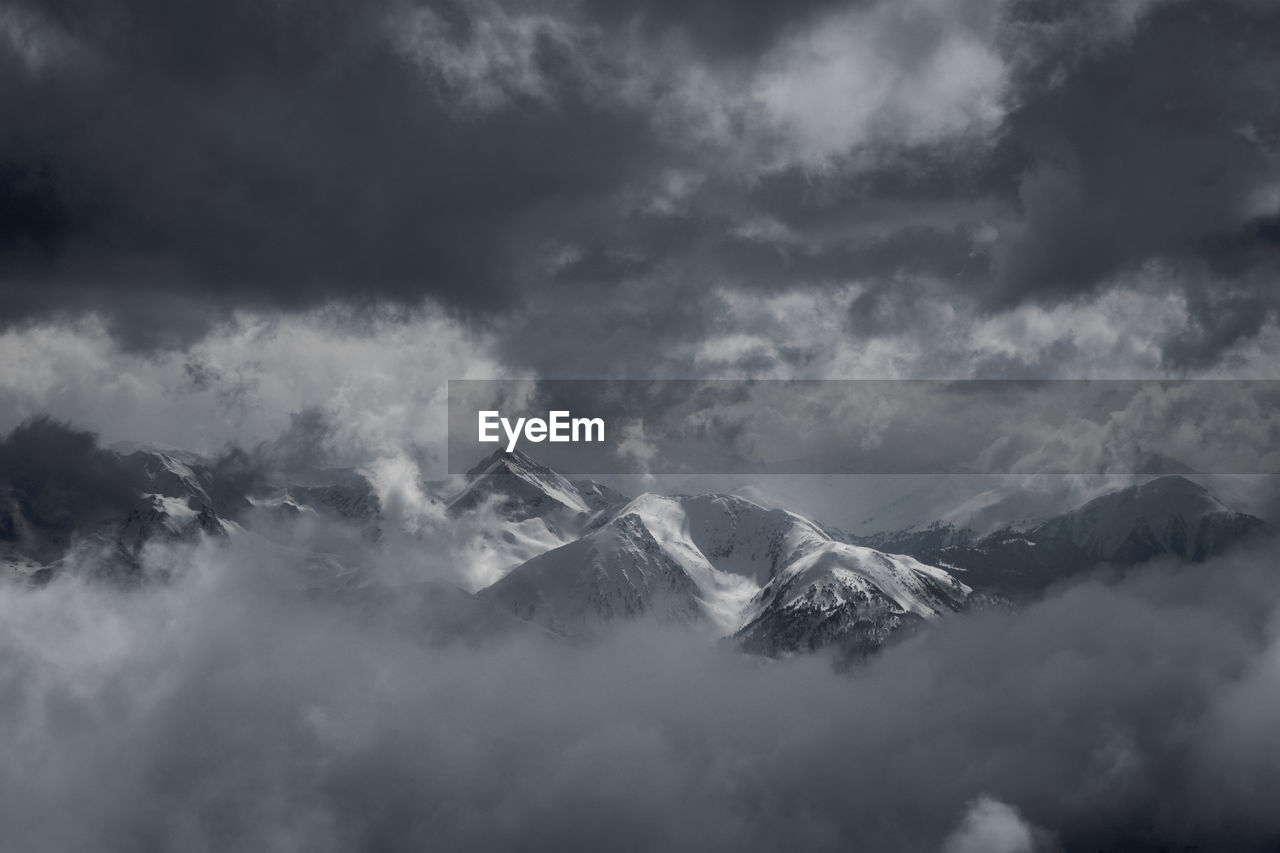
651,162
251,703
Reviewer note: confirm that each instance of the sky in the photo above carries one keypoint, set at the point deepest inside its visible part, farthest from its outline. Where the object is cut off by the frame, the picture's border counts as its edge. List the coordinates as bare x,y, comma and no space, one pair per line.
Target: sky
281,226
218,218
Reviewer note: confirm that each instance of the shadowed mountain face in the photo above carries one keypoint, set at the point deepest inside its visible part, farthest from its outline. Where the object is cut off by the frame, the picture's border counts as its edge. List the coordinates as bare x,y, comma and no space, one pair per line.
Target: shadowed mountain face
55,482
60,492
618,571
1168,516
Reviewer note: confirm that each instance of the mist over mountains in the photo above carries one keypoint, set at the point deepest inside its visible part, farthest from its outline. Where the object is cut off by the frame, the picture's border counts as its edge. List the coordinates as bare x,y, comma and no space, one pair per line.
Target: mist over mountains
293,665
573,557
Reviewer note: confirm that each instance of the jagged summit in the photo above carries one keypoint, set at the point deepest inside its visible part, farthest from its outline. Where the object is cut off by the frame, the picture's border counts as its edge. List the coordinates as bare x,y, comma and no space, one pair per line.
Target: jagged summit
523,488
1170,486
514,461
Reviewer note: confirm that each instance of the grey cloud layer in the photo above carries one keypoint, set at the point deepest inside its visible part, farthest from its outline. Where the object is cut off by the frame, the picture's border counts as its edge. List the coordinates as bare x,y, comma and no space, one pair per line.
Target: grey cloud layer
236,708
164,161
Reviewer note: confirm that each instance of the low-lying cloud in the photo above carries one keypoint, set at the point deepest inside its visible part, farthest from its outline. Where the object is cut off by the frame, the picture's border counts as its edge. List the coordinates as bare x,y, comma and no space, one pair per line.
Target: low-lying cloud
253,702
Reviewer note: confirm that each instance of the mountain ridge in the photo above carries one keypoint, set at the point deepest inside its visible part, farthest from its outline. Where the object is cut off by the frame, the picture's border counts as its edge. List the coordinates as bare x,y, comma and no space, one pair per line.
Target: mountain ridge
574,556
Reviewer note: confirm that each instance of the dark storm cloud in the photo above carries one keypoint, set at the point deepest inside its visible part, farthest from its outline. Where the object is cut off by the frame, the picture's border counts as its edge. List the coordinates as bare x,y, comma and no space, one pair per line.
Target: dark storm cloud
1136,153
1155,145
281,154
734,28
164,162
1126,145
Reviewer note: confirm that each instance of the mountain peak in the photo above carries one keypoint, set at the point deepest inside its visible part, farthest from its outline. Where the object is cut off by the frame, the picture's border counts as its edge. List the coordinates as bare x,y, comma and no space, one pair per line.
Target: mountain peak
1163,495
1170,514
502,460
1172,484
525,488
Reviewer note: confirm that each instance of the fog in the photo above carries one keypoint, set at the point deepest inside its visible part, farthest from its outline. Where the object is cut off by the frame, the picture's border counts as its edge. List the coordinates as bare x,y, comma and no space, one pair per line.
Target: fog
248,698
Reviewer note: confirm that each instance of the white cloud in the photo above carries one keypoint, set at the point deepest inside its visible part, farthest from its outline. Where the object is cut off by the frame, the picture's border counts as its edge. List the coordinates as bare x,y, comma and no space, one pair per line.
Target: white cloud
835,93
498,58
891,75
990,826
1119,333
380,381
37,42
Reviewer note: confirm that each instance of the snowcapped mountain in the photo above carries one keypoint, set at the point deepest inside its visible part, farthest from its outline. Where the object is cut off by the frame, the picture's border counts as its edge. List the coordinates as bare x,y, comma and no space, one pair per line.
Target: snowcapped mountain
570,556
515,509
112,503
619,570
104,502
767,576
1167,515
983,504
180,495
701,557
849,596
521,488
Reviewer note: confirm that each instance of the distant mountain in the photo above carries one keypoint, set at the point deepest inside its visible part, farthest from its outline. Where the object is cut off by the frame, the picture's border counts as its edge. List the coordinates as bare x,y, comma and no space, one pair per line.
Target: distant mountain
983,504
103,502
567,558
1167,516
61,495
850,597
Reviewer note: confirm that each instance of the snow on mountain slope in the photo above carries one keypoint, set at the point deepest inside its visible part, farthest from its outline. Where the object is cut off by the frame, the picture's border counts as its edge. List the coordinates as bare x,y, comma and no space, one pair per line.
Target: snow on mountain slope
726,545
644,560
619,570
847,595
709,556
1169,515
489,547
512,509
523,487
185,477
